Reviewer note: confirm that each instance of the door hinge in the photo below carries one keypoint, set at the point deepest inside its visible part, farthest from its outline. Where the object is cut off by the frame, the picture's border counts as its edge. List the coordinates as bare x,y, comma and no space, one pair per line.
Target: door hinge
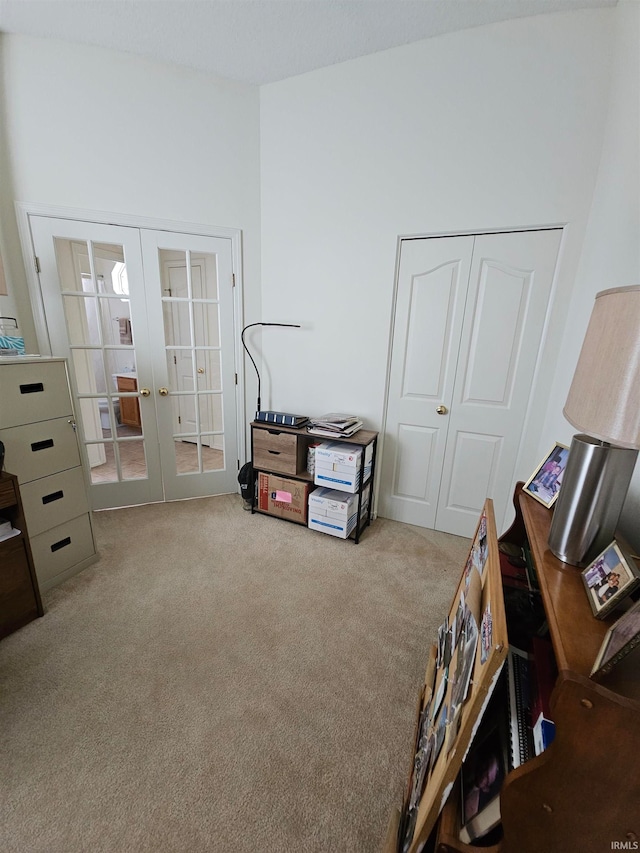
175,360
36,262
233,279
236,378
179,419
238,461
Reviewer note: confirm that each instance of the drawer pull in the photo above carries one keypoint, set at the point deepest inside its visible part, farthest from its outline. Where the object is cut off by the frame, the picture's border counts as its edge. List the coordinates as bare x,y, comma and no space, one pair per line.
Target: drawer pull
31,388
274,432
42,445
54,496
275,452
61,544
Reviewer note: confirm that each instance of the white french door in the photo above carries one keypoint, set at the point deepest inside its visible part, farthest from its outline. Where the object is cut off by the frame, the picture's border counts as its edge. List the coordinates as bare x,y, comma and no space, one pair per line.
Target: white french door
469,316
146,320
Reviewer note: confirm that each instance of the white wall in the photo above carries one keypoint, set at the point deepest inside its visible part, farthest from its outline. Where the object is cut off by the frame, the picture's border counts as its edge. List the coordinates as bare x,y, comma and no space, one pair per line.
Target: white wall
611,255
92,129
495,127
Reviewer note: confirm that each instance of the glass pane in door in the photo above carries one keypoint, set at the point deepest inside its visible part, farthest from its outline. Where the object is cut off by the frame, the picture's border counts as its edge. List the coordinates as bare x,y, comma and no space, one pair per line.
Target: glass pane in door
97,311
191,317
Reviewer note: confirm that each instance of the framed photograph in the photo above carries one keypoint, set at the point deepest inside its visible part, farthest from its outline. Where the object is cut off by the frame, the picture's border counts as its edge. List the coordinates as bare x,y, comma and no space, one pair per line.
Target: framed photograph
609,579
620,639
544,484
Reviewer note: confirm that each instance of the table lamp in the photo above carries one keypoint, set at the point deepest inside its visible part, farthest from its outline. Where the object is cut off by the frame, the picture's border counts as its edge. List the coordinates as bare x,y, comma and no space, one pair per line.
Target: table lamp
604,404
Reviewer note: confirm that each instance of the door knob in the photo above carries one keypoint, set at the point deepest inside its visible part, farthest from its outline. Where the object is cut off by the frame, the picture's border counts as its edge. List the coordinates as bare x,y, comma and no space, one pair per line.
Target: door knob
144,392
442,410
201,370
163,392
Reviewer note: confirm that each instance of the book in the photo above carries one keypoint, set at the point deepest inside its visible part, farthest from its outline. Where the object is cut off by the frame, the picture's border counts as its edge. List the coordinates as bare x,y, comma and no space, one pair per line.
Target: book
518,700
282,418
620,639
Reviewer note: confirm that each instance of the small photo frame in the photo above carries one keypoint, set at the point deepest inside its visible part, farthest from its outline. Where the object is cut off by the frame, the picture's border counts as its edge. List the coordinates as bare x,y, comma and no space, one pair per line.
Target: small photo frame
620,639
544,484
610,578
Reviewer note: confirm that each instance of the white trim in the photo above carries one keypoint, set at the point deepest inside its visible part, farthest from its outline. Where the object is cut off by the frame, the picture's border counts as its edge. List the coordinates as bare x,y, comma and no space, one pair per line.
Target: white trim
477,232
24,210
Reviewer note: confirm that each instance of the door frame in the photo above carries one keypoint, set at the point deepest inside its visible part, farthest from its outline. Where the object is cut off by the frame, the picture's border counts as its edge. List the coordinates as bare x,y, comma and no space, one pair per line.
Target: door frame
26,209
535,385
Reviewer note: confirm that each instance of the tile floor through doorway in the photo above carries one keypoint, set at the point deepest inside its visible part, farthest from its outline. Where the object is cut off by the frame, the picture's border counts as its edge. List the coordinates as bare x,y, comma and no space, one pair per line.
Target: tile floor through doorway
133,462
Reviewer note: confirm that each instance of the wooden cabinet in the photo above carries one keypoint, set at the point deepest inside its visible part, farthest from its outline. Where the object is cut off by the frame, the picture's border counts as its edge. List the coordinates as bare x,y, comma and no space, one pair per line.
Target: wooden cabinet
19,594
582,793
37,426
283,450
129,406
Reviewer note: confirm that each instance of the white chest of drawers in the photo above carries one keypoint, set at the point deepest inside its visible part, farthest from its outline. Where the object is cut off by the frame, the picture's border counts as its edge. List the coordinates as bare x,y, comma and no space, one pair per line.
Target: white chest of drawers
37,427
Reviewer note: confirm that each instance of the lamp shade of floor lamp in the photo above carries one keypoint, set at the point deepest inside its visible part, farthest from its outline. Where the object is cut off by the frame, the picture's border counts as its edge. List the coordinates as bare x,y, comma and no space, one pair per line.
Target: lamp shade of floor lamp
604,404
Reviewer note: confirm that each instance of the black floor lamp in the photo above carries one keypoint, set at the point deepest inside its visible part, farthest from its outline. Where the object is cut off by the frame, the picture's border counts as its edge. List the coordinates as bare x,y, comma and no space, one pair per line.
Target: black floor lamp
282,325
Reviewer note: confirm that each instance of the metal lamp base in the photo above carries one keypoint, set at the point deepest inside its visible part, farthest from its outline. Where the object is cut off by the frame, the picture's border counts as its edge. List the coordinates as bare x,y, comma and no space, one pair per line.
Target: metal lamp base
594,486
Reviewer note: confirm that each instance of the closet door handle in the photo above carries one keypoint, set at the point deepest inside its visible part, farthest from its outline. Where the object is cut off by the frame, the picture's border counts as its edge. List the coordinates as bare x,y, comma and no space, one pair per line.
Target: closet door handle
144,392
442,410
163,392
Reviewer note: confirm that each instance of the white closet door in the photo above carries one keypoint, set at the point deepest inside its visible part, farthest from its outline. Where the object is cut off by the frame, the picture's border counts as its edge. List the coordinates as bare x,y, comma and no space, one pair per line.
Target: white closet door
469,318
430,305
507,301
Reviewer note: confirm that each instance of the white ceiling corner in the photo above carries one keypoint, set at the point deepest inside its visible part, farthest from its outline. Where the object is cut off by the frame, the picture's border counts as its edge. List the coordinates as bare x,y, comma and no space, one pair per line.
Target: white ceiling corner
260,41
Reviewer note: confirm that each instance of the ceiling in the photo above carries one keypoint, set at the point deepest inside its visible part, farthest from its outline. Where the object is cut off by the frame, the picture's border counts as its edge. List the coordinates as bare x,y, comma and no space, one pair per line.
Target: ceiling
261,41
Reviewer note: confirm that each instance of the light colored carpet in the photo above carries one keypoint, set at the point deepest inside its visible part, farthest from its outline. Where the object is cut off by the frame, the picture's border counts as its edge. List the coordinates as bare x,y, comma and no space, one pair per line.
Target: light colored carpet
219,681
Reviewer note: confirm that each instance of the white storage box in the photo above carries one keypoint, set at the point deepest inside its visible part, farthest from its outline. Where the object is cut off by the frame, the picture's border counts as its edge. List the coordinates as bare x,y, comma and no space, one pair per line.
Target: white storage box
332,503
334,512
339,453
338,465
344,481
332,526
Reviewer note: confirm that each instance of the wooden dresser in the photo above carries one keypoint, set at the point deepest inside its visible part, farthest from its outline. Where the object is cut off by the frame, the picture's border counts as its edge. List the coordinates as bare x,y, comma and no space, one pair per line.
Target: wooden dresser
19,594
581,794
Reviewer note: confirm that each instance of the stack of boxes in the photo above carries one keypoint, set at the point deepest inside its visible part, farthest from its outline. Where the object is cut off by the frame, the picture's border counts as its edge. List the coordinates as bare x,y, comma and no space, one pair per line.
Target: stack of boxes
333,508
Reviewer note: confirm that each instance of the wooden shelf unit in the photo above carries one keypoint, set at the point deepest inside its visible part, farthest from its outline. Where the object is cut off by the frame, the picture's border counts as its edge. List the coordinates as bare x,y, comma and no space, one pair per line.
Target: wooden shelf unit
20,600
582,793
279,449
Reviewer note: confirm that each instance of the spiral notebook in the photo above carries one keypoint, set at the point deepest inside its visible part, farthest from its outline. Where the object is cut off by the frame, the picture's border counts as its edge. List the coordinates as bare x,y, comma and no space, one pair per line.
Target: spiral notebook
519,703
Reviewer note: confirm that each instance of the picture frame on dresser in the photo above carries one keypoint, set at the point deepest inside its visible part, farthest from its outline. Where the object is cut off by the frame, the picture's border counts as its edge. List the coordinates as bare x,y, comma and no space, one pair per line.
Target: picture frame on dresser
544,484
609,579
621,638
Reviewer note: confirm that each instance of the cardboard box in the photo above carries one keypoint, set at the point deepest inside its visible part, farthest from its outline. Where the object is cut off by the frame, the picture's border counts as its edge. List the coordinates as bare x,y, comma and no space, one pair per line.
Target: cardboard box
334,512
340,481
338,465
332,526
283,498
332,503
340,453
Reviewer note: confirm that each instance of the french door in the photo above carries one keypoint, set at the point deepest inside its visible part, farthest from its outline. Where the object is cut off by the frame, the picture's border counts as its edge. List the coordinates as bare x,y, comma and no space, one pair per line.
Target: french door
146,321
